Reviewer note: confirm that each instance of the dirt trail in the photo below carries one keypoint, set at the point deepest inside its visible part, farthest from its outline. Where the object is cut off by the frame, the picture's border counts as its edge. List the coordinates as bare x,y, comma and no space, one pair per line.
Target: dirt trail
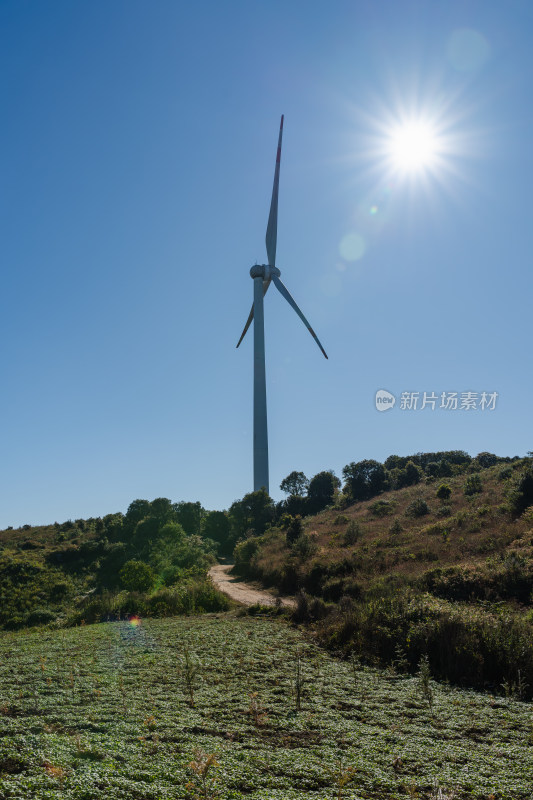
243,592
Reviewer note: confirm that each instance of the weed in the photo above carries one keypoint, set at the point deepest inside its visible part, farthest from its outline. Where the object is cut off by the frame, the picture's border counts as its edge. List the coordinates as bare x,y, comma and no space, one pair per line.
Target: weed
189,673
202,785
298,684
341,777
424,682
256,710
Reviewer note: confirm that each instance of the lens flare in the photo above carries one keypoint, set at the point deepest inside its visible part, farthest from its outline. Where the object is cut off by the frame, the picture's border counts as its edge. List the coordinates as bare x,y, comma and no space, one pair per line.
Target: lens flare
413,146
134,621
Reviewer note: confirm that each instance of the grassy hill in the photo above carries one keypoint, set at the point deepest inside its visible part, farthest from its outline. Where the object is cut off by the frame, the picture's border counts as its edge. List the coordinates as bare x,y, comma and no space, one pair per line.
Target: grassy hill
236,707
407,574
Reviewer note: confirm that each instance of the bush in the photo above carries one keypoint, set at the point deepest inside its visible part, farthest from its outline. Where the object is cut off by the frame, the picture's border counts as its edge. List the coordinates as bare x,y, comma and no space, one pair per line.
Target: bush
396,527
304,546
136,576
444,492
381,508
418,508
294,530
444,511
521,495
505,473
473,485
352,533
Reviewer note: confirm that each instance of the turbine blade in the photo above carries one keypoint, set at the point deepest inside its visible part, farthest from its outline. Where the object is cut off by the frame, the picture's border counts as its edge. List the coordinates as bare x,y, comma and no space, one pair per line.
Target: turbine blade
288,297
266,284
272,227
248,323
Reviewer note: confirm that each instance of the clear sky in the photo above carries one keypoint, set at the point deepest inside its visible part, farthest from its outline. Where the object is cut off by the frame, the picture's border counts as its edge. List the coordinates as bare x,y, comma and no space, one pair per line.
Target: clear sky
138,143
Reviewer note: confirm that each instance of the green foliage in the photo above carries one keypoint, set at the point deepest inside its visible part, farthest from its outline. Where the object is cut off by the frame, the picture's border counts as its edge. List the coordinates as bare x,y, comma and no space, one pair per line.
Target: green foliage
364,479
136,576
396,527
521,494
304,547
253,513
295,484
473,485
444,492
417,508
294,530
382,508
409,475
190,516
321,491
65,727
352,533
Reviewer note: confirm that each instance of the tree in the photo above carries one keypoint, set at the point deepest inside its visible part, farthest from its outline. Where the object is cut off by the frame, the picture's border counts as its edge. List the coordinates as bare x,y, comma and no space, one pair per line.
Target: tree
321,490
295,484
485,459
217,528
365,479
136,576
410,475
444,492
254,512
137,511
190,516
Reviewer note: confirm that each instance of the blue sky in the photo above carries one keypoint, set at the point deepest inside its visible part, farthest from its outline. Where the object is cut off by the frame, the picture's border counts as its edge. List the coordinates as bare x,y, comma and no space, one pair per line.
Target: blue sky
137,158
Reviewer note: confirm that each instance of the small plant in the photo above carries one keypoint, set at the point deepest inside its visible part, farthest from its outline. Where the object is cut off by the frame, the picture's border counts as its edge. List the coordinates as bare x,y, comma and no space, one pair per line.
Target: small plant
341,777
444,492
202,785
189,673
294,530
396,527
444,511
473,485
298,684
341,519
400,662
424,681
256,710
352,533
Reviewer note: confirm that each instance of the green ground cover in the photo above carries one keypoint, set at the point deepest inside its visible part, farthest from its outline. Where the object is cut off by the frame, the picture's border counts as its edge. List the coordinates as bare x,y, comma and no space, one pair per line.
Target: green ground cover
208,708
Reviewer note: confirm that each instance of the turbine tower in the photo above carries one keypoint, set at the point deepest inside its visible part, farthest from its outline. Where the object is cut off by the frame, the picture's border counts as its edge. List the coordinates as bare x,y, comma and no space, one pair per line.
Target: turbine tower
262,275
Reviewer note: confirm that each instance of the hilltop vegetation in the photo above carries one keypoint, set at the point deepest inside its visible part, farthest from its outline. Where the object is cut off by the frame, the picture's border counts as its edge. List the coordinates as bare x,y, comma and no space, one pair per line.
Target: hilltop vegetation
429,555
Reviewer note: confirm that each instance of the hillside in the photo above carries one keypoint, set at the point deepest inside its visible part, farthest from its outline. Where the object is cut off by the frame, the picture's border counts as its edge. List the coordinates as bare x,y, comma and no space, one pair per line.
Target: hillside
406,573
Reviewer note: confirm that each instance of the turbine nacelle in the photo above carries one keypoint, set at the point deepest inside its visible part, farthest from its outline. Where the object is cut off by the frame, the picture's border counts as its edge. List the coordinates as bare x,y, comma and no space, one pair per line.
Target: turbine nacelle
264,271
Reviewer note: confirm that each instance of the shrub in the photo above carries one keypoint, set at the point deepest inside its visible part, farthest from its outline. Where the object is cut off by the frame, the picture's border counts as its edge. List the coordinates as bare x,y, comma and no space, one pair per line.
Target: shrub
444,511
521,495
505,473
352,533
396,527
444,492
473,485
294,530
341,519
417,508
381,508
304,546
136,576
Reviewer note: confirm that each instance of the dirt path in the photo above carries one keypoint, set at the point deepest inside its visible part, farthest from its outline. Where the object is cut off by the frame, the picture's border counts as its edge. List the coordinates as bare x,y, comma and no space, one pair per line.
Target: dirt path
243,592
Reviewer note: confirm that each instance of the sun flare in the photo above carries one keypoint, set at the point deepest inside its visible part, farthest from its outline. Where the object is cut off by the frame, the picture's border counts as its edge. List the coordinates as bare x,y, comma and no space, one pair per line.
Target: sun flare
413,146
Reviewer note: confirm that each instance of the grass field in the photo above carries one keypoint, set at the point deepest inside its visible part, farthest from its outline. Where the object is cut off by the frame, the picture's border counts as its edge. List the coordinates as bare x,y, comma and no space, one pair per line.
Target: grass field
207,707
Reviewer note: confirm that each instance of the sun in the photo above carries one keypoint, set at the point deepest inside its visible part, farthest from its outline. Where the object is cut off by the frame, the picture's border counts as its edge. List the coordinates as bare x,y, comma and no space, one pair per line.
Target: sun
413,146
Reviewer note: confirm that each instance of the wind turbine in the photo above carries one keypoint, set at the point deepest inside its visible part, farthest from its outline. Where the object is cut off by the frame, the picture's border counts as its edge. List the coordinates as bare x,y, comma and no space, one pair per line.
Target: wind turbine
262,275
